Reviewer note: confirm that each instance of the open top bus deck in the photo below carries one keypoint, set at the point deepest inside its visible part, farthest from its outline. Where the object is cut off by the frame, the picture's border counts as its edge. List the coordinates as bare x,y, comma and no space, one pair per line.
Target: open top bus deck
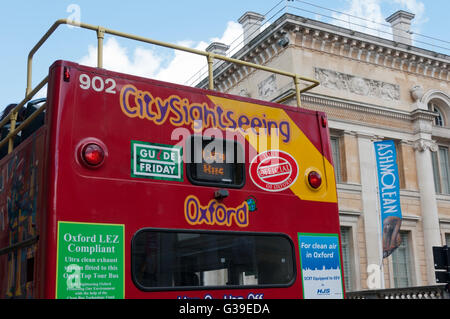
137,188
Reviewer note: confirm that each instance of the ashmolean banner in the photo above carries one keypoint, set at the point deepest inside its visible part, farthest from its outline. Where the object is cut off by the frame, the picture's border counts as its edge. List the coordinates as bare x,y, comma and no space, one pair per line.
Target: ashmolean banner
389,193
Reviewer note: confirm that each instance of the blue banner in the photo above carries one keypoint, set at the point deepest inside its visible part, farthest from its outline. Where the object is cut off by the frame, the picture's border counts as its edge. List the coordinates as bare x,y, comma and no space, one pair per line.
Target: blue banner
389,193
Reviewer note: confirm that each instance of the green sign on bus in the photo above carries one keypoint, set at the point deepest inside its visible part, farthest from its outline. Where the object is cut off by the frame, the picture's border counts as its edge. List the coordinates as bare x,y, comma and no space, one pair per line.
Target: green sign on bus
156,161
90,261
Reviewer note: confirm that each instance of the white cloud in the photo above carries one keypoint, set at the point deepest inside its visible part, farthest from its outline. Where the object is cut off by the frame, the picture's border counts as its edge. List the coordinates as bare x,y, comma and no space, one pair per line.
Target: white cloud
184,64
178,67
115,57
373,21
369,10
233,36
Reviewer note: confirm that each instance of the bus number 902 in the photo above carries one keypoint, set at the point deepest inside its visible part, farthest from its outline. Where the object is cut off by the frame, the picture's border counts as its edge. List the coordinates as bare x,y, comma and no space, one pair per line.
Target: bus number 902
97,84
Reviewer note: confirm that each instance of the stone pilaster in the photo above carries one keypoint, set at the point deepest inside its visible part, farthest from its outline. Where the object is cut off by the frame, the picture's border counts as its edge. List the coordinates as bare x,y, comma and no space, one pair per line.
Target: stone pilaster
429,210
423,146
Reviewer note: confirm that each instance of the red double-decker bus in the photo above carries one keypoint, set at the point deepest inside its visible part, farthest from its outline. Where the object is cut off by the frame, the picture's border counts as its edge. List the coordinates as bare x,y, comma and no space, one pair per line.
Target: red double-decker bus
127,187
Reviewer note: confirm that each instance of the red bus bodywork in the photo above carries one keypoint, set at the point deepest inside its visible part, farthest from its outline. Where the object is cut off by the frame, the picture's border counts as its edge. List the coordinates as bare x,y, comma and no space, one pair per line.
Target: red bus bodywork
49,192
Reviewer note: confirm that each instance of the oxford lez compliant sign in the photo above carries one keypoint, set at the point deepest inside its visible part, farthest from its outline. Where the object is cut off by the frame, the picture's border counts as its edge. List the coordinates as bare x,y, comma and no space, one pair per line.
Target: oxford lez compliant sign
90,261
156,161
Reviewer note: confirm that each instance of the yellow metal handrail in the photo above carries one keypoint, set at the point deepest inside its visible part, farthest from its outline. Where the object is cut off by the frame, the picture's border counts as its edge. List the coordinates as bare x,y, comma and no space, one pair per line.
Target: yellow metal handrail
12,116
210,56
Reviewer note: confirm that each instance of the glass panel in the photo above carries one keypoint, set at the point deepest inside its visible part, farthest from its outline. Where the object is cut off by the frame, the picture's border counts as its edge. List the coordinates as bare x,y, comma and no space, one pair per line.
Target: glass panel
437,180
348,273
336,158
169,259
215,162
401,263
439,119
444,168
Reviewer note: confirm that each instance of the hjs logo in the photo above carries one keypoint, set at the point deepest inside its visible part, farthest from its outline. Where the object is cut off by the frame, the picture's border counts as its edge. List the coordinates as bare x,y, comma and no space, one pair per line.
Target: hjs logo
323,291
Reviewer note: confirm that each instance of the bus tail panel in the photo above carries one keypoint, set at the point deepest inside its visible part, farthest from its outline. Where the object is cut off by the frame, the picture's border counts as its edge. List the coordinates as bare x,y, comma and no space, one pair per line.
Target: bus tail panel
157,190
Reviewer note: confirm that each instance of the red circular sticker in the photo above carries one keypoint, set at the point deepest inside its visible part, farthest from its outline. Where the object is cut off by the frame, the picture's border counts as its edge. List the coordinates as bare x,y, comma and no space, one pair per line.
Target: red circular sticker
273,170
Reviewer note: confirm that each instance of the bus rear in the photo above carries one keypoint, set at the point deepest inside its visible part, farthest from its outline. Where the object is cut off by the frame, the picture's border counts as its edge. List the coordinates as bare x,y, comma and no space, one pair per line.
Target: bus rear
155,190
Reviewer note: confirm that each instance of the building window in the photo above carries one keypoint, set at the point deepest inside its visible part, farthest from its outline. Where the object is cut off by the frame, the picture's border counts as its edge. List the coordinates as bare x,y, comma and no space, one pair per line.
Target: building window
439,119
447,239
401,262
441,170
346,257
336,153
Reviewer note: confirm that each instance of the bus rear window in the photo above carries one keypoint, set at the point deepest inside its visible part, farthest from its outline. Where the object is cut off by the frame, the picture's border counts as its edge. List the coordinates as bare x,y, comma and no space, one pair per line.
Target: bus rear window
170,259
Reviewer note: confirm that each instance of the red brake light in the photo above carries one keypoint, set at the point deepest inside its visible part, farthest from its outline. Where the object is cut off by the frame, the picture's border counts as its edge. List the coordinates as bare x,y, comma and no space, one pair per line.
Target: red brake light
314,179
66,74
93,154
324,121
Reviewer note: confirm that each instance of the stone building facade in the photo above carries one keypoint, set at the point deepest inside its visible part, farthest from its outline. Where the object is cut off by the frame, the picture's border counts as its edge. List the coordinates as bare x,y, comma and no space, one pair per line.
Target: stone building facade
371,89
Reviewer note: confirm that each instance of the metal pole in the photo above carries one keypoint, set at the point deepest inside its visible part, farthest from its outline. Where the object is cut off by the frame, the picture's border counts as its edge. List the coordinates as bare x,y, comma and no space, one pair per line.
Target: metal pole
297,90
210,71
100,37
11,129
35,48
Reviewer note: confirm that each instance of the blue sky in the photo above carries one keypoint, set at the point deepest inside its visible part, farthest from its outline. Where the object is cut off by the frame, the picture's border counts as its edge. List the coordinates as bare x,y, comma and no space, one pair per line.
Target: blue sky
193,23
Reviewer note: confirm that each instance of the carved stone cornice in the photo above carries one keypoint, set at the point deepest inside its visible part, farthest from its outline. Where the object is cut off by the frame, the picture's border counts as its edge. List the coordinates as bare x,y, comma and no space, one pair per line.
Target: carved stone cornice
327,38
357,107
371,49
420,114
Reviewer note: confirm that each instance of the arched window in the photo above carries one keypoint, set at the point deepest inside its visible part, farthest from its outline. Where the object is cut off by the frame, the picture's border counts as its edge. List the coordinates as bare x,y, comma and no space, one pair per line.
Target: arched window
439,119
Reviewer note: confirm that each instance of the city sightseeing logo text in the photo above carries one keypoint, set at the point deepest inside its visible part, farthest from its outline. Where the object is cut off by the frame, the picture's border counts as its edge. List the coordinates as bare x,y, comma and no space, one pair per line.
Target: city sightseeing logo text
180,111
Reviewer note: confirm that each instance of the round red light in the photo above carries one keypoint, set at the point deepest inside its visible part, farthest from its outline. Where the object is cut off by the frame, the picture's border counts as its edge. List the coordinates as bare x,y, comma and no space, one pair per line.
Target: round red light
93,154
314,179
